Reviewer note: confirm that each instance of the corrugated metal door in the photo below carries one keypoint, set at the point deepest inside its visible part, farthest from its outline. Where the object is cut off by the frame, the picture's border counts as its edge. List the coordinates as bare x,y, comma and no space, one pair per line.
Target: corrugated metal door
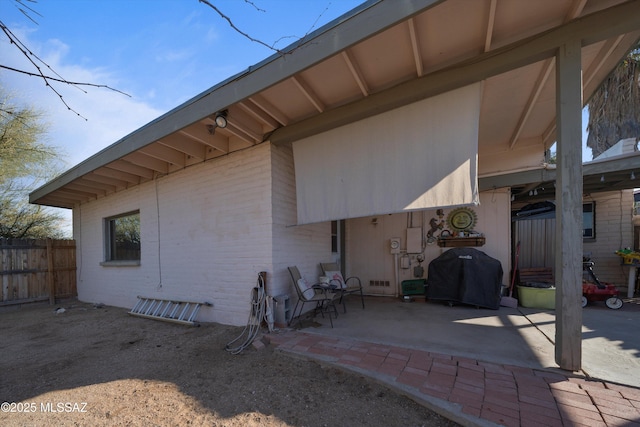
536,238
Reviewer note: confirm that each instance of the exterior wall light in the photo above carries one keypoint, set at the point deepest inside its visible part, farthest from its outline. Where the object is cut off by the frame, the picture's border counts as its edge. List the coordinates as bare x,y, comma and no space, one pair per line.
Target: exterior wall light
221,119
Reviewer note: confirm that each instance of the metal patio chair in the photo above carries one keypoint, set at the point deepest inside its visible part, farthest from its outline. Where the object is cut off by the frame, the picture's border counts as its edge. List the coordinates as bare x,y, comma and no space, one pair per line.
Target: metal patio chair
322,295
350,285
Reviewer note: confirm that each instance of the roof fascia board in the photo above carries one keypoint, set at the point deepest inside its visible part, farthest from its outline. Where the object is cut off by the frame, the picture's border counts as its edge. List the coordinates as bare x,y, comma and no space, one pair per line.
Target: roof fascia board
361,23
590,29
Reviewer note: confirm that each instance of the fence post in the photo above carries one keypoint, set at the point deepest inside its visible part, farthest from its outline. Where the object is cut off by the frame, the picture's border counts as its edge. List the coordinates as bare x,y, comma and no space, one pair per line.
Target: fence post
50,281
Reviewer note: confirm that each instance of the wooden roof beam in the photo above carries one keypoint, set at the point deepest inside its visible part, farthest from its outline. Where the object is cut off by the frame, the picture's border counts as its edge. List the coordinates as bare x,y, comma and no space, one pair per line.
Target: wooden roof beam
163,153
355,72
309,93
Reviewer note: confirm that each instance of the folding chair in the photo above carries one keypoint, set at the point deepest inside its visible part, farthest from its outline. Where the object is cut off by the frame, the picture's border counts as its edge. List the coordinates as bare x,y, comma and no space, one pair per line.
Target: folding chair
321,294
350,285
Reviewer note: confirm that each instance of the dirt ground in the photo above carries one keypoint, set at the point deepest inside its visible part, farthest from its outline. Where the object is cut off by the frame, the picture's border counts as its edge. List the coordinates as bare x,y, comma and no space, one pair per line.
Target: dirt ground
95,366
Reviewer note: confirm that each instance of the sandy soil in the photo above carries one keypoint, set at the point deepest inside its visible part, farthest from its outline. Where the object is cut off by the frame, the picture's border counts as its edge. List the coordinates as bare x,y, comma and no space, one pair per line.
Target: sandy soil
95,366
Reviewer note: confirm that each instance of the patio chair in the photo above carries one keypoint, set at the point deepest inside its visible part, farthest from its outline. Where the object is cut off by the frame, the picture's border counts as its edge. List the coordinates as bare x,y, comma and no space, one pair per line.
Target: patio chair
350,285
322,295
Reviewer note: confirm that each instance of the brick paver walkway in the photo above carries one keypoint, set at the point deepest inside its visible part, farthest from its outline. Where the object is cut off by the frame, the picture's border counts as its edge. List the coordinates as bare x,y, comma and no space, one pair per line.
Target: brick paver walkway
473,392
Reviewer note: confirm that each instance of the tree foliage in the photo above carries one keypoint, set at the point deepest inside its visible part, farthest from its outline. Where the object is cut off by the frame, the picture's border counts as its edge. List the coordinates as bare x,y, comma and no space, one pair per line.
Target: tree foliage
614,110
25,162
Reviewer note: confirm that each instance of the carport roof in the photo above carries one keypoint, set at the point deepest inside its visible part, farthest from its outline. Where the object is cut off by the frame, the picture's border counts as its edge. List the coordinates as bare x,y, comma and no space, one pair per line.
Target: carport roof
615,173
379,56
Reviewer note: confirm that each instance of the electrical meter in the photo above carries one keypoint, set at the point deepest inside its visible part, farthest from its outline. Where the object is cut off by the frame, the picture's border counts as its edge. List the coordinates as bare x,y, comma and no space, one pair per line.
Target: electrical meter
394,245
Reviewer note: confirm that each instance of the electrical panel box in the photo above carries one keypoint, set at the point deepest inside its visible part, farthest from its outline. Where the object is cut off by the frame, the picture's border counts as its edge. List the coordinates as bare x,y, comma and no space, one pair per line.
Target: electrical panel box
414,240
394,245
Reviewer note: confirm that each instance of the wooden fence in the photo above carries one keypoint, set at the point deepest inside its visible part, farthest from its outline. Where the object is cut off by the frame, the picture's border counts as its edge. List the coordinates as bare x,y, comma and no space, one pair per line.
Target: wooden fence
37,270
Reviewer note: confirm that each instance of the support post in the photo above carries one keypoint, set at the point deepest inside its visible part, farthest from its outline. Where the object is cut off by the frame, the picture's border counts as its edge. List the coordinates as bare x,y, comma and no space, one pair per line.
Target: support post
568,239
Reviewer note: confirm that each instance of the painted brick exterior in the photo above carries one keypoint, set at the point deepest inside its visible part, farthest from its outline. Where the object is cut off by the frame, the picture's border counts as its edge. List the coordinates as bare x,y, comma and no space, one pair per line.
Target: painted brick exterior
207,231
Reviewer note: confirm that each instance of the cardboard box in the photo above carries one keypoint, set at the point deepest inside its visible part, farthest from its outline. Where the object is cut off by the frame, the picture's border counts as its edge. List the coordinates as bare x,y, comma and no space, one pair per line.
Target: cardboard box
537,297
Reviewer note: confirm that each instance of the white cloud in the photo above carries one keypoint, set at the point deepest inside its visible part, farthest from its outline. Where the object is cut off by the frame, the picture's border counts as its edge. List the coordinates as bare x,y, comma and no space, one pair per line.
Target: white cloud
109,115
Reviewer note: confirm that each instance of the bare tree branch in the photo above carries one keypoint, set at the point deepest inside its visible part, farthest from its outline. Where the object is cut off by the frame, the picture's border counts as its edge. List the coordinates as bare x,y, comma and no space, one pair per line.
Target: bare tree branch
35,60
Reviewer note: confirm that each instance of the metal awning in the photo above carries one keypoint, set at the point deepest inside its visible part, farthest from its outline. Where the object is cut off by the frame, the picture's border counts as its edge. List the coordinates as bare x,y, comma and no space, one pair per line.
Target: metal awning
378,57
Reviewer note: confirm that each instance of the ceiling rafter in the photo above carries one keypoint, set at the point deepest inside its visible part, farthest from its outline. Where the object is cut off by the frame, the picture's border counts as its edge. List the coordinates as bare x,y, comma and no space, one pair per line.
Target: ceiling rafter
56,200
309,93
548,66
149,162
543,77
117,183
355,72
270,109
491,22
87,189
201,134
259,115
125,166
77,194
109,188
187,146
124,176
415,47
252,138
160,152
596,65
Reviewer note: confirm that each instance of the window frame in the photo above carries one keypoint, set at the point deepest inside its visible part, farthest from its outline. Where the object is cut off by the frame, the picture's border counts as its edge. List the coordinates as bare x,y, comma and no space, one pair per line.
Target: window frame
585,212
110,258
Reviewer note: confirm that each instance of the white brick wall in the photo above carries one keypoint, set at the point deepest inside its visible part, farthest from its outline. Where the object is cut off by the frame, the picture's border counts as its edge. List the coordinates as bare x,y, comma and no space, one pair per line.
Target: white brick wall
302,246
205,237
614,231
207,231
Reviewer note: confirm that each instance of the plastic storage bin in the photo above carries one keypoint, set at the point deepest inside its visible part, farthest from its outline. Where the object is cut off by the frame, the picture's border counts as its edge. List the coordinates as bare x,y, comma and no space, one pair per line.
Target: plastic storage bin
531,297
413,287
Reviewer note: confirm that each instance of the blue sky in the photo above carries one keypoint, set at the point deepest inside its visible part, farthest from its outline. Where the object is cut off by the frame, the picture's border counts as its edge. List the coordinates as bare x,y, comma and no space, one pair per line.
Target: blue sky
160,52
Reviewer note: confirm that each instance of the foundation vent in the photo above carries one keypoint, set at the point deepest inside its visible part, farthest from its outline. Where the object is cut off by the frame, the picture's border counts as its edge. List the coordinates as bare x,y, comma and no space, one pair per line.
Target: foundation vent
378,283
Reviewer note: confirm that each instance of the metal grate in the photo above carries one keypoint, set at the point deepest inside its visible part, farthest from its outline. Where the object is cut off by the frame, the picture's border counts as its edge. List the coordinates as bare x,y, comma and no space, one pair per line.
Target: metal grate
384,283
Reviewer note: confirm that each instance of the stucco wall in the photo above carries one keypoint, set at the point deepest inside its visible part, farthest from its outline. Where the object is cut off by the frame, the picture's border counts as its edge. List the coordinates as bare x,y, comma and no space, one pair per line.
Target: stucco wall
206,234
368,254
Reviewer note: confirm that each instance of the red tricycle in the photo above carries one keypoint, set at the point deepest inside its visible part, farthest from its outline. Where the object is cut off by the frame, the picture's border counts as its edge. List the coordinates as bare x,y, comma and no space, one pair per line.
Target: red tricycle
598,291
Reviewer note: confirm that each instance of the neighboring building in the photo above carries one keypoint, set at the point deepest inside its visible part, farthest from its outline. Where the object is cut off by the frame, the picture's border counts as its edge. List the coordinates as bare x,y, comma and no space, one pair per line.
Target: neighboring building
353,136
608,225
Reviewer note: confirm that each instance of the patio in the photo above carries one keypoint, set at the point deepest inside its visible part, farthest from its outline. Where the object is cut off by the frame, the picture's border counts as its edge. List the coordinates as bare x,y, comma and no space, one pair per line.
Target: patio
521,337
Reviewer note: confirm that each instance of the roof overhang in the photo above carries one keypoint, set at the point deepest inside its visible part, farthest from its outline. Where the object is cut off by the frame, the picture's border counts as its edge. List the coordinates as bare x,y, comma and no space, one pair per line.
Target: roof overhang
428,47
611,174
